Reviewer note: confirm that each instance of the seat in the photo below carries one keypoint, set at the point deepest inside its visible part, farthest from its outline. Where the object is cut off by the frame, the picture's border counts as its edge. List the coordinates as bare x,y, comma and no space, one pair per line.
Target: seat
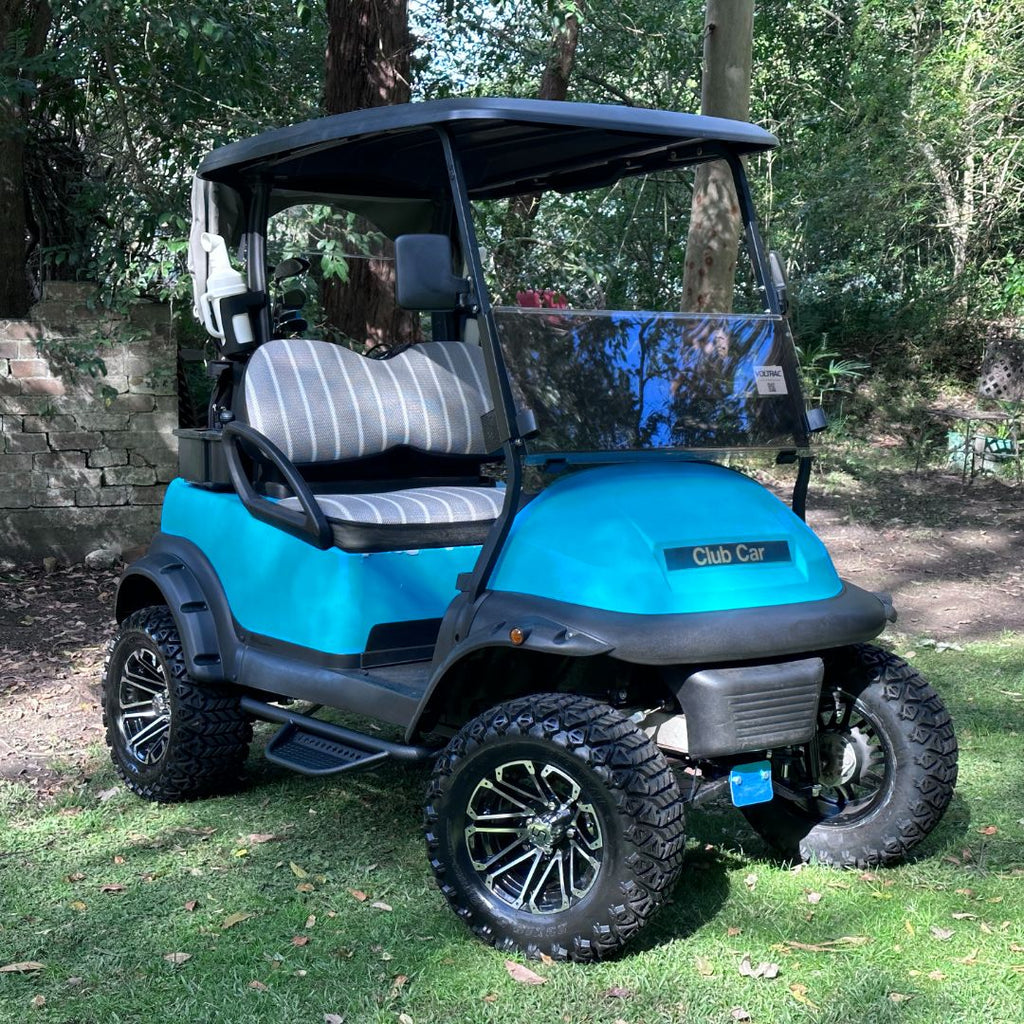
336,414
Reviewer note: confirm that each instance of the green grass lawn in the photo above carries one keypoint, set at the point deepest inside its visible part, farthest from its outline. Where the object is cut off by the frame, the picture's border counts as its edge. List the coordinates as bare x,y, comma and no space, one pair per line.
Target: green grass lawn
341,916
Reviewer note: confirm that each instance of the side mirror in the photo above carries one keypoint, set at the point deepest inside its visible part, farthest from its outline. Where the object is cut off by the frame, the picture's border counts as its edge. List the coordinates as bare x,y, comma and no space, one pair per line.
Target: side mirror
423,274
778,269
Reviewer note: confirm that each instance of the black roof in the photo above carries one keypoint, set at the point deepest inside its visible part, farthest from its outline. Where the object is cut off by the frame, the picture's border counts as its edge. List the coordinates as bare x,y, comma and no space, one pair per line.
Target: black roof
506,146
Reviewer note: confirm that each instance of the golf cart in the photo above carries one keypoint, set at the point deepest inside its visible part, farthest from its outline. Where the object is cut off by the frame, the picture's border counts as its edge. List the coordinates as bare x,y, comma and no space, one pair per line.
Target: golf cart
517,541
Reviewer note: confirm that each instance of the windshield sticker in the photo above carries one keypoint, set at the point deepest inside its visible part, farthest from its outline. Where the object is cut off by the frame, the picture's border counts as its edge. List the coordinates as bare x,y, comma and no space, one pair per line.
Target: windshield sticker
770,380
745,553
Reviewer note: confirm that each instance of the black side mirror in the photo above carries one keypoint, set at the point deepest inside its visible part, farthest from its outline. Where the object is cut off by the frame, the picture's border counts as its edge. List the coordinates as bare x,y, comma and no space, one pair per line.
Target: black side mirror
778,269
423,274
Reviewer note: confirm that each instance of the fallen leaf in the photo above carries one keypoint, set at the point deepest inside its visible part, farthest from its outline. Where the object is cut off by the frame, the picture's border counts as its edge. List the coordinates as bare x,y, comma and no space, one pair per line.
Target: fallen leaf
297,871
814,897
333,1018
1015,948
397,984
310,921
24,967
936,975
77,905
242,852
964,917
381,905
118,859
177,958
517,972
942,934
545,959
733,931
970,959
232,919
899,997
359,895
38,1002
738,1013
868,876
617,992
255,838
988,830
259,986
404,1018
113,887
105,794
831,946
750,881
191,905
908,927
76,876
491,997
799,993
704,967
762,970
305,887
300,940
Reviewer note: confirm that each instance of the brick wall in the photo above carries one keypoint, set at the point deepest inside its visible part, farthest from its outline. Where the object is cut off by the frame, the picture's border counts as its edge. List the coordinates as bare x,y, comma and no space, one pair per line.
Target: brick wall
84,460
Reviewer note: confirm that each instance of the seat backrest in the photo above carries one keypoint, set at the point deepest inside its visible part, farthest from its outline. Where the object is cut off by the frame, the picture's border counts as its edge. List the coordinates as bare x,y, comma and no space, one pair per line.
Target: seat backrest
320,402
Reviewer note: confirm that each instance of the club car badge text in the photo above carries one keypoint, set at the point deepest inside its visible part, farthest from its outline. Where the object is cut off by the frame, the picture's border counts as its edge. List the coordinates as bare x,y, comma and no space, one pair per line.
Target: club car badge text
744,553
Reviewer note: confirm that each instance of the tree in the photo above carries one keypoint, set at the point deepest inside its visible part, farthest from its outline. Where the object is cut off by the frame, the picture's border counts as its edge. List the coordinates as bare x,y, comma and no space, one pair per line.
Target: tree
713,240
23,28
367,65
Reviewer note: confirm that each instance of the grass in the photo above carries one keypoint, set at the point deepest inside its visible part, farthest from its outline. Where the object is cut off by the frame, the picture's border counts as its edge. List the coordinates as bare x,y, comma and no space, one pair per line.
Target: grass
100,887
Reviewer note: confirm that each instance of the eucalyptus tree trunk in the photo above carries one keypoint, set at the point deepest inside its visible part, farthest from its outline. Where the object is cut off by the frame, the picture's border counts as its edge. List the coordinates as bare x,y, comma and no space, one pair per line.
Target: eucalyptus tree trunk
30,19
713,240
367,65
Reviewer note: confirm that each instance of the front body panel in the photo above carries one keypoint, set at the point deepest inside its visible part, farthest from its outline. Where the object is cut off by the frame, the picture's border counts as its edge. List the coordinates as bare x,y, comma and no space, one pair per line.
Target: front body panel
674,538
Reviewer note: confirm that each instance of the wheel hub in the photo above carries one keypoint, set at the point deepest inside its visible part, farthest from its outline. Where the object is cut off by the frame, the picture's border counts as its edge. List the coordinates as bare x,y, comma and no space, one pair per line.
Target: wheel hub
548,830
839,761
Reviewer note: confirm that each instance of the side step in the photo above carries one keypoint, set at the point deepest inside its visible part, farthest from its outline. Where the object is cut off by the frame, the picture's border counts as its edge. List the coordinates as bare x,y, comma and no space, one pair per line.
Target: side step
314,747
304,752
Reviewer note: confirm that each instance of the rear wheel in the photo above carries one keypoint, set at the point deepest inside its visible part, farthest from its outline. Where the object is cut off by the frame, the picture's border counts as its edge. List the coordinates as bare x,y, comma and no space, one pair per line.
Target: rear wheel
554,827
170,738
887,761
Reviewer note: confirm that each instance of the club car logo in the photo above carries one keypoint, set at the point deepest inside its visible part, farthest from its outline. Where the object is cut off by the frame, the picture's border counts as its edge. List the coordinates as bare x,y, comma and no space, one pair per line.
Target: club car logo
744,553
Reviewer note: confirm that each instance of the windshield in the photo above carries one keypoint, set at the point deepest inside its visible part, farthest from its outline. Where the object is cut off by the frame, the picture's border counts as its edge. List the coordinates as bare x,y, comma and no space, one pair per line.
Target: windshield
622,381
588,290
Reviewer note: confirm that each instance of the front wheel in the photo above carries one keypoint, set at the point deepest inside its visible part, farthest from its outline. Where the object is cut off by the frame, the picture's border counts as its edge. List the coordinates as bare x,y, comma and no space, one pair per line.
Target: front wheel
887,765
554,826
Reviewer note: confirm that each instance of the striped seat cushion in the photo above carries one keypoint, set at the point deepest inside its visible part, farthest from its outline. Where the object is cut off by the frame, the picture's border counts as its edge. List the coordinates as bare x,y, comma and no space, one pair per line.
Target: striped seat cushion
320,402
418,506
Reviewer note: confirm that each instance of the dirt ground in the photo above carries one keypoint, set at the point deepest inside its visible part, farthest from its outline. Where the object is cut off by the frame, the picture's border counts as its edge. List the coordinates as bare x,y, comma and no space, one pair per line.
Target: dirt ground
952,556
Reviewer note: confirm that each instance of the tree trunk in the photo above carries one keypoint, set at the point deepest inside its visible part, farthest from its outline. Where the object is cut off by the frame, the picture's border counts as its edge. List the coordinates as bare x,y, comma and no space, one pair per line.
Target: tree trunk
517,228
33,18
713,240
367,65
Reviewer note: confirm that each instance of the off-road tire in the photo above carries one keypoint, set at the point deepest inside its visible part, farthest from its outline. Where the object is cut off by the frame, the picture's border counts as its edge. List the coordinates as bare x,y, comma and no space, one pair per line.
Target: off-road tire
200,738
915,734
626,792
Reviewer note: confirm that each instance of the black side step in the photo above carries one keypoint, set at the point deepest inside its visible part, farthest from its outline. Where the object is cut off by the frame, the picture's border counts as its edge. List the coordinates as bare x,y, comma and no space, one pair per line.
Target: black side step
309,754
313,747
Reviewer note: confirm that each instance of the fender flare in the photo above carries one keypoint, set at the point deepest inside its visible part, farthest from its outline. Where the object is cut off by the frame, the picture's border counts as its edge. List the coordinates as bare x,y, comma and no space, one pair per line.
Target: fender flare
174,572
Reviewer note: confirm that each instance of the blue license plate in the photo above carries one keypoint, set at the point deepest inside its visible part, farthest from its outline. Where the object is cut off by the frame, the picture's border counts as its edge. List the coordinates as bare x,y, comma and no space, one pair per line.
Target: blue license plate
751,783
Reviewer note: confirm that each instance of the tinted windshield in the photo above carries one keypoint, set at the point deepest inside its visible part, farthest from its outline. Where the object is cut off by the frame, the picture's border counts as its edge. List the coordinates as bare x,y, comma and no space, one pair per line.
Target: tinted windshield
620,381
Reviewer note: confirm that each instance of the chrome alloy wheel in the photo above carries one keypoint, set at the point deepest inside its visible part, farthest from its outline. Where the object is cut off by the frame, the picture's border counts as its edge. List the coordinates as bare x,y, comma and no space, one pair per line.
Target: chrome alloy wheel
855,764
536,845
143,706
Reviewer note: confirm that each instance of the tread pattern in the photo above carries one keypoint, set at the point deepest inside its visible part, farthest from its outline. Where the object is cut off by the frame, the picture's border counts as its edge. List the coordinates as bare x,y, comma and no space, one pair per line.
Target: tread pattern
209,735
646,799
918,721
